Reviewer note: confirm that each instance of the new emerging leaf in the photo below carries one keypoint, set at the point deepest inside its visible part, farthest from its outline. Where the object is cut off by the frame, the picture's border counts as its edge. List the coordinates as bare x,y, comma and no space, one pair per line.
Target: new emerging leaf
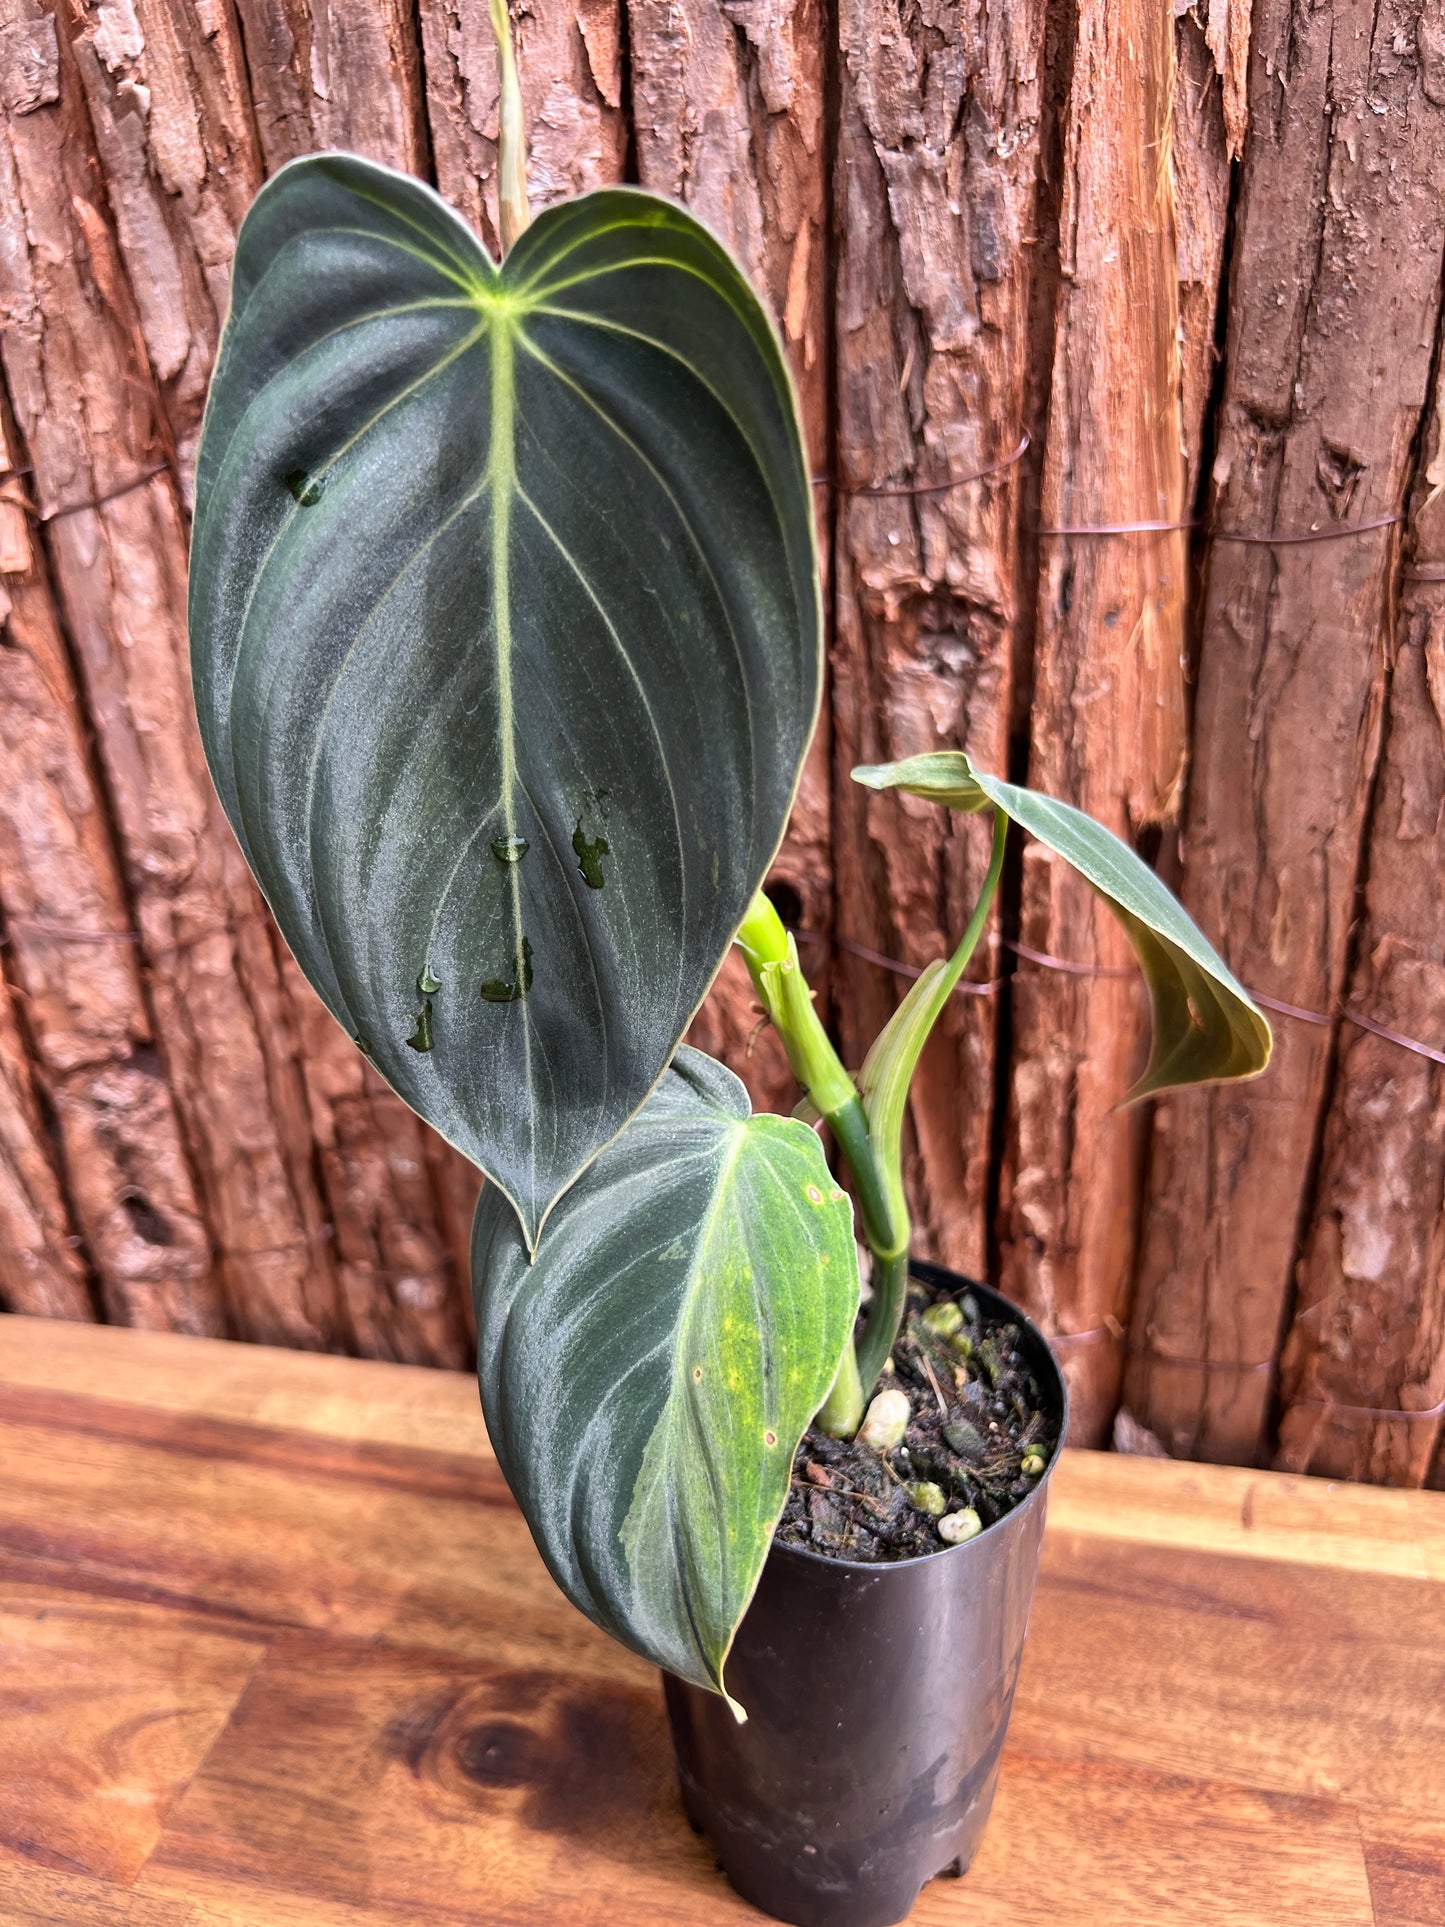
1205,1025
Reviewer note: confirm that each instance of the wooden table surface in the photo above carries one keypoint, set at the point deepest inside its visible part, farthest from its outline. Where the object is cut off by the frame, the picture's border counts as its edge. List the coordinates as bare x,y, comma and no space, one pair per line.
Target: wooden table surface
276,1651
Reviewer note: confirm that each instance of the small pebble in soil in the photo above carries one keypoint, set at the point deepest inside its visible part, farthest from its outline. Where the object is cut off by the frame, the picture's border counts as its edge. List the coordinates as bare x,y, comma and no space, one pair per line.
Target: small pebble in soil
955,1527
945,1318
959,1434
886,1421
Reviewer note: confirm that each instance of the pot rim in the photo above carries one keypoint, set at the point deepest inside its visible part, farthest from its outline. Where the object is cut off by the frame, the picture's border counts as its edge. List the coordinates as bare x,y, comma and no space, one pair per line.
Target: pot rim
878,1567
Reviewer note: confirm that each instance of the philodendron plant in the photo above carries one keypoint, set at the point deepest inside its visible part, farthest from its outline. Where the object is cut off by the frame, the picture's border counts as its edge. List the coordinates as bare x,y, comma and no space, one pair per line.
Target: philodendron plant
506,642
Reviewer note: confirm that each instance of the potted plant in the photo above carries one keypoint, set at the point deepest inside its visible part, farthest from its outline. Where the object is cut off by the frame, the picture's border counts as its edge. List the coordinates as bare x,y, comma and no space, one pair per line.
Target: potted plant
507,650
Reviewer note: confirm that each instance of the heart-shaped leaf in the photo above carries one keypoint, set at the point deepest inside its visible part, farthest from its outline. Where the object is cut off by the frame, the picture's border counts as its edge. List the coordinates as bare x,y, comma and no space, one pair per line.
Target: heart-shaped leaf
505,636
646,1381
1205,1026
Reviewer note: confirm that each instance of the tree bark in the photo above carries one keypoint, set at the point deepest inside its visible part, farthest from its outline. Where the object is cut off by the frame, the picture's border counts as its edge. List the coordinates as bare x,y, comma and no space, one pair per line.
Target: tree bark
1108,713
335,73
974,224
936,202
1333,309
570,61
1369,1323
165,90
42,1273
73,968
73,330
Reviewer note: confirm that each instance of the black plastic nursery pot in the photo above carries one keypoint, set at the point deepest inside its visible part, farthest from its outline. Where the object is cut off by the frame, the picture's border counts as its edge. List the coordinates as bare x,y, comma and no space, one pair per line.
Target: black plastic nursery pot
878,1696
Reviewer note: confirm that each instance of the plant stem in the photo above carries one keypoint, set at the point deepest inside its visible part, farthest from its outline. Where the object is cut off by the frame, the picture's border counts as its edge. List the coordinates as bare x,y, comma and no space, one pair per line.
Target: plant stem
892,1063
514,213
772,960
885,1316
842,1411
881,1230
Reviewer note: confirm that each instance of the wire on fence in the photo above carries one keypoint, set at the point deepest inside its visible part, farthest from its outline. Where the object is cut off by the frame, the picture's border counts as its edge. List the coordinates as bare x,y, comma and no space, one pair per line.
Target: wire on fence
74,508
1098,1333
1073,968
883,490
1265,539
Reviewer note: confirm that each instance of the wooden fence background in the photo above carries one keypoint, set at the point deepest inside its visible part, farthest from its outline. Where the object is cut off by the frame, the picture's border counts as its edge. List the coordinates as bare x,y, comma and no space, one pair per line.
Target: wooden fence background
1047,271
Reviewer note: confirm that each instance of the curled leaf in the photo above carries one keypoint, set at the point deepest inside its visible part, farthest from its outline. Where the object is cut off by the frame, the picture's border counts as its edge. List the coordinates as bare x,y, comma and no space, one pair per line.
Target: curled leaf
1206,1028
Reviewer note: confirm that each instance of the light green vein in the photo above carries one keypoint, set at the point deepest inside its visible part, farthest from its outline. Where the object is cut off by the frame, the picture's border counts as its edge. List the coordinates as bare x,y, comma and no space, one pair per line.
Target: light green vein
549,262
538,295
502,468
465,238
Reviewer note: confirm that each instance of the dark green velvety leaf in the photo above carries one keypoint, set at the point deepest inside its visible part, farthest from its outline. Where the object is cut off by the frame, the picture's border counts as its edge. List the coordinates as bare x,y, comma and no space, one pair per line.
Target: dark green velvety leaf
505,636
646,1381
1206,1028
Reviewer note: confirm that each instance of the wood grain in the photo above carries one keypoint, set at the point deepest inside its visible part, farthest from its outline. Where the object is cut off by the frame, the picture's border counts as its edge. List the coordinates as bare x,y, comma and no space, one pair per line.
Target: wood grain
1405,1861
94,1756
276,1651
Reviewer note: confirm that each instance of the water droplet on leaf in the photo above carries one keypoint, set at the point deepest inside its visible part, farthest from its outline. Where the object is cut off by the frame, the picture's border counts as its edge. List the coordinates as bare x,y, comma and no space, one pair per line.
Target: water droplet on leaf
426,983
589,857
510,849
499,990
305,487
363,1044
421,1037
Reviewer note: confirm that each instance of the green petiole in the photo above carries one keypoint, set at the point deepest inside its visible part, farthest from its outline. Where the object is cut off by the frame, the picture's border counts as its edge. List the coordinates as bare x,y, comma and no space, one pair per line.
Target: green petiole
867,1118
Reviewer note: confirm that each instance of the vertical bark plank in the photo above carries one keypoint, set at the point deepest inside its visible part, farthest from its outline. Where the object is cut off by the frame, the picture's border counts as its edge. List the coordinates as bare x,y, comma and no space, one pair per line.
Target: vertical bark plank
935,191
1226,26
335,73
1108,716
75,362
729,118
1369,1323
166,91
1334,294
72,961
41,1271
1200,150
570,62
